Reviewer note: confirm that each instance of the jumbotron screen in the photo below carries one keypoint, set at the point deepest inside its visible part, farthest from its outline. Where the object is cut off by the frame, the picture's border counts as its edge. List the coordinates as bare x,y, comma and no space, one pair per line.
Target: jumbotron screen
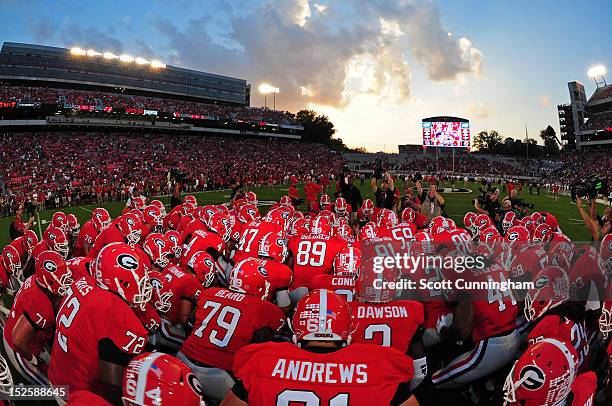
446,134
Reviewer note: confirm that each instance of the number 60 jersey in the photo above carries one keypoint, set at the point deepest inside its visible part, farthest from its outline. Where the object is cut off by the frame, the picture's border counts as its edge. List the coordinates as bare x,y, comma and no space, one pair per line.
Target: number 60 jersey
90,322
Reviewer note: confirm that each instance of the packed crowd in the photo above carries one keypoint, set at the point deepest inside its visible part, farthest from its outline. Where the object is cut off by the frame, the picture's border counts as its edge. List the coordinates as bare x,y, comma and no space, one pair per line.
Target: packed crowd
117,100
600,121
52,170
564,169
221,304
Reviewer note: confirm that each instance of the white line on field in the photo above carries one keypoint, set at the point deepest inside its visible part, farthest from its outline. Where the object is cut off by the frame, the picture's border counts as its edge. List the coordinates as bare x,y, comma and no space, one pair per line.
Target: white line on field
83,208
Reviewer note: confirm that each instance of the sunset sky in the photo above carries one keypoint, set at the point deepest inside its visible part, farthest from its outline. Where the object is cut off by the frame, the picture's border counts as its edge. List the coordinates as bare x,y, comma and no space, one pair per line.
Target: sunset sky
376,67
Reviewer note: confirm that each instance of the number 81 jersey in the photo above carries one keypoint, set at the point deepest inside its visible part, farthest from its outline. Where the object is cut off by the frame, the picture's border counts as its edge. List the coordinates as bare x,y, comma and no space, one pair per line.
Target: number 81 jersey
89,320
313,254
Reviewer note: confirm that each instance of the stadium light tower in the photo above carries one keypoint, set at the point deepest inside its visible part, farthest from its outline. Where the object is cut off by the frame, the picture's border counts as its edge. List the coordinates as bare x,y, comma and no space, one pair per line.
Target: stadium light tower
266,88
597,73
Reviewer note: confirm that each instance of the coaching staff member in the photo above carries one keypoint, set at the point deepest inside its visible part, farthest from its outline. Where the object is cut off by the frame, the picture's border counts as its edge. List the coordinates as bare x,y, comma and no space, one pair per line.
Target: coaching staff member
384,192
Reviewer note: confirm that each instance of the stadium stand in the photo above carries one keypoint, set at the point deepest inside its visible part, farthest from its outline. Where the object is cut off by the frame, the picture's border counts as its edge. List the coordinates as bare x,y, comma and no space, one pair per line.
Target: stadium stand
75,165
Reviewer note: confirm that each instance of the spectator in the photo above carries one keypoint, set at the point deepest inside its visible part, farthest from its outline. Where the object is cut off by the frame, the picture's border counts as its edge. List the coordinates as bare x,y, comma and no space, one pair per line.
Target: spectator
490,204
18,228
350,192
312,190
294,194
433,203
384,192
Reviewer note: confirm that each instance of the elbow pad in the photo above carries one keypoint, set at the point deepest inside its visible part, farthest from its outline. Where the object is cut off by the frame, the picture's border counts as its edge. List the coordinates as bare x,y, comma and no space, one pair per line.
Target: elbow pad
282,298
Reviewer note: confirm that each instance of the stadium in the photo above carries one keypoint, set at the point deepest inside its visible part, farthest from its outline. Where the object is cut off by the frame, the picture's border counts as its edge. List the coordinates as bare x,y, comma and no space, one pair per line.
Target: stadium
164,241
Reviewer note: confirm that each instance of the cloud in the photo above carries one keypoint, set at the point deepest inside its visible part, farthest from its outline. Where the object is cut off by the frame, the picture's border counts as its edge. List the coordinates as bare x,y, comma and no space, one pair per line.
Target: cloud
544,101
314,53
73,35
477,110
42,30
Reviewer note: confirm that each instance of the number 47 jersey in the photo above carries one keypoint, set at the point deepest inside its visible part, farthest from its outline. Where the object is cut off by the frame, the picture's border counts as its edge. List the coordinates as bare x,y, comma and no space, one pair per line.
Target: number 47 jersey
90,317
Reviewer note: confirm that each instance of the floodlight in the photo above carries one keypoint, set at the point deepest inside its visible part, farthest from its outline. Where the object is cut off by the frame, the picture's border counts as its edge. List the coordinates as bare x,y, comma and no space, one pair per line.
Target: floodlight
126,58
157,64
142,61
78,51
266,88
596,71
109,55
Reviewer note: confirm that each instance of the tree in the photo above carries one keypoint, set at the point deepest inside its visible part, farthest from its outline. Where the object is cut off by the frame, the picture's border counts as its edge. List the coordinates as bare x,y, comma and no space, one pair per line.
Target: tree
362,150
317,128
549,137
488,141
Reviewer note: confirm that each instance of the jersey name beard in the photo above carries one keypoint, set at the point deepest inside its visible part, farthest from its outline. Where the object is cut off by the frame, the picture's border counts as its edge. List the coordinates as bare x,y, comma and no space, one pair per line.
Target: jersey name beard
320,372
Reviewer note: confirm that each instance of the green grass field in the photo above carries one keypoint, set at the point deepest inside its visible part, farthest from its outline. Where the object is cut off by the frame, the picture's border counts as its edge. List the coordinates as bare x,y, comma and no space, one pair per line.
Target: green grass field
457,204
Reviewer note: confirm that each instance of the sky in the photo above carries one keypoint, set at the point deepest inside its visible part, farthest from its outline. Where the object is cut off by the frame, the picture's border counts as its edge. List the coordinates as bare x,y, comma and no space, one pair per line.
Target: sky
375,67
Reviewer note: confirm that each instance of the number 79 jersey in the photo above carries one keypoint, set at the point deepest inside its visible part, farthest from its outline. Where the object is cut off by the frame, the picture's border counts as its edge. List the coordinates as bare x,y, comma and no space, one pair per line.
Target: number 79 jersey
313,254
87,316
226,322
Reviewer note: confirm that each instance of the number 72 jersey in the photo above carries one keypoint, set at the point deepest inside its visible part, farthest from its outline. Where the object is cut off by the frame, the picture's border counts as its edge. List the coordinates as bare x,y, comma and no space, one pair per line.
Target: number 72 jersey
90,316
313,254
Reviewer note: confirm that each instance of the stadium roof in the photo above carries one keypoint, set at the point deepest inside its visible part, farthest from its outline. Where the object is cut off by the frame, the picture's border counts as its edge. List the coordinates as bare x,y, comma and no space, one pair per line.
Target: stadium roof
601,95
31,62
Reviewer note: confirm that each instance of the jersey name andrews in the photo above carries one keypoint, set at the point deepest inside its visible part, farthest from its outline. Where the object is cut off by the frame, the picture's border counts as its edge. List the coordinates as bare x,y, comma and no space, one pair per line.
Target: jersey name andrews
320,372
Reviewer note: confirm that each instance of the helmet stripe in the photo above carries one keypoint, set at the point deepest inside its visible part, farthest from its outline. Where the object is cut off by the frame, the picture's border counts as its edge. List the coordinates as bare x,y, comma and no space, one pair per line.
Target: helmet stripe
141,383
322,310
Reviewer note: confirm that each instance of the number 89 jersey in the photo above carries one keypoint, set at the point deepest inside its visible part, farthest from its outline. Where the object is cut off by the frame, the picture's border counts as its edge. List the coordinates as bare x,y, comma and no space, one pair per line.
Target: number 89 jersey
313,254
90,316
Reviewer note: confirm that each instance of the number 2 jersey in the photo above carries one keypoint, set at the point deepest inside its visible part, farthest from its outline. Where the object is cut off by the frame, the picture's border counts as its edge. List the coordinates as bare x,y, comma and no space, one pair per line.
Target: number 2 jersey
90,318
283,374
390,324
225,322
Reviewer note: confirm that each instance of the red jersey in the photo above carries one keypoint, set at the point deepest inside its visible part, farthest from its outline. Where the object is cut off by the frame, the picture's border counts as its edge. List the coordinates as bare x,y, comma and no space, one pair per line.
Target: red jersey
433,300
583,389
34,303
494,314
391,324
528,262
362,217
279,275
403,232
586,267
202,241
4,277
225,322
80,329
284,374
80,267
183,286
172,220
313,254
343,286
421,221
87,236
252,234
553,326
107,236
19,246
149,318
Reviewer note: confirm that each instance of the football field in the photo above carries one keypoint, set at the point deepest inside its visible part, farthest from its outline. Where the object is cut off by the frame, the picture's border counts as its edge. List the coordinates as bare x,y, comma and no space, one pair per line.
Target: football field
457,204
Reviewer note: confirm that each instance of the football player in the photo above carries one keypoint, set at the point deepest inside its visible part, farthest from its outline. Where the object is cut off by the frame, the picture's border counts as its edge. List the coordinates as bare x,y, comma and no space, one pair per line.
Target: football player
157,379
31,322
125,229
322,369
225,321
97,331
546,374
100,220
